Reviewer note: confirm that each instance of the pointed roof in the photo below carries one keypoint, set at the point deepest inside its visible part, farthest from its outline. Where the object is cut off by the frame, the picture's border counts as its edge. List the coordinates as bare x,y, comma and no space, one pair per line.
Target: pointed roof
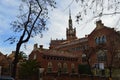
69,13
70,20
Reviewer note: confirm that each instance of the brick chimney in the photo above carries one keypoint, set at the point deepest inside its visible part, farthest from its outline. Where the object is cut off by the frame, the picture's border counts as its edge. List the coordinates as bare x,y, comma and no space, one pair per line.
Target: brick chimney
41,46
99,24
35,46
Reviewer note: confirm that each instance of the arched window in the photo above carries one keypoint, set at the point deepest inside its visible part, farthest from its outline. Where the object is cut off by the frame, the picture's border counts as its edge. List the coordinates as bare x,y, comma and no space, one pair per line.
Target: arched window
103,39
64,67
73,67
59,67
97,40
101,56
49,67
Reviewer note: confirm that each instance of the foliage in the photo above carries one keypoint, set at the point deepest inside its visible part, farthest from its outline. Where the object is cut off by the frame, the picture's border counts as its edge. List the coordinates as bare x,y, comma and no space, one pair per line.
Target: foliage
28,69
84,69
22,56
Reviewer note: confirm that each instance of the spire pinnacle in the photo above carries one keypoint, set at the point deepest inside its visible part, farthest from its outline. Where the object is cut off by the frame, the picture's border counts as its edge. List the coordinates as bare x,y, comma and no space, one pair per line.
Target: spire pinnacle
69,13
70,20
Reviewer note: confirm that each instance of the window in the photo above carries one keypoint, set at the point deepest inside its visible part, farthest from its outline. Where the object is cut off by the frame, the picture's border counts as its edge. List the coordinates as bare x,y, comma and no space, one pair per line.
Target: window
83,57
97,40
73,68
101,56
49,67
59,67
64,67
35,56
101,39
104,39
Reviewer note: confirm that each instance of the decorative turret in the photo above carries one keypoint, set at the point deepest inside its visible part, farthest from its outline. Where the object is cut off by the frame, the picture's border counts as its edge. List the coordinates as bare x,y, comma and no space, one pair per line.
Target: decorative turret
70,32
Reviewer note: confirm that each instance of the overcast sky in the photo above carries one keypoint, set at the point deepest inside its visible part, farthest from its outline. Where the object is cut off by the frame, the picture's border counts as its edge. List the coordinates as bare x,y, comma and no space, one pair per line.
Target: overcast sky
58,23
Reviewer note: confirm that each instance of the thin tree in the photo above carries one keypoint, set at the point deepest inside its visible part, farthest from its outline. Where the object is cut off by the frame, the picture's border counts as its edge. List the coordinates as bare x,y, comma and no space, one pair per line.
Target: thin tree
30,22
88,55
113,48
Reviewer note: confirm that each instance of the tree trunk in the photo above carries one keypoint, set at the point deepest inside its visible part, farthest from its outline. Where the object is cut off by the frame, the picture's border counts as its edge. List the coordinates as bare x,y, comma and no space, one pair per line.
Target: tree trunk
110,73
90,70
16,60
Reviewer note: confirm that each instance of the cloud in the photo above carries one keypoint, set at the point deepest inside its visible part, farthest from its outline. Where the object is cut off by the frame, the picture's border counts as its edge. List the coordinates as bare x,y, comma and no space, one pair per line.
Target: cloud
57,24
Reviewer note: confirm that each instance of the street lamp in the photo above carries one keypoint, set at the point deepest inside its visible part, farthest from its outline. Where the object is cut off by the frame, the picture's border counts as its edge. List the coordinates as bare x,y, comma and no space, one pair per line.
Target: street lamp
41,70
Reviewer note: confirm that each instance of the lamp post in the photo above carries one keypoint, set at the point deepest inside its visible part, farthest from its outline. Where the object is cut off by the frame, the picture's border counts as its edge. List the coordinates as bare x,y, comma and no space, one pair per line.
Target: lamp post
41,70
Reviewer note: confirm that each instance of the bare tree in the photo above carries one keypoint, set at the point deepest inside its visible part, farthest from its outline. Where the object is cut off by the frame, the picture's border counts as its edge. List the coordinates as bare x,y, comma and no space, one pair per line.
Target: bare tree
96,9
30,22
88,52
113,48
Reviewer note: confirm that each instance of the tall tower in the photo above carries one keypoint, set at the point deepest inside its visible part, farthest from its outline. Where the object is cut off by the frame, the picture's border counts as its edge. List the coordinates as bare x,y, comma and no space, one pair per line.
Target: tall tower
70,32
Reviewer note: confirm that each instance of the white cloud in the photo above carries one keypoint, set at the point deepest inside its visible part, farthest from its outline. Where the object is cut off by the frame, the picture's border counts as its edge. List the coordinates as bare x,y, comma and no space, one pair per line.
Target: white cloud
57,24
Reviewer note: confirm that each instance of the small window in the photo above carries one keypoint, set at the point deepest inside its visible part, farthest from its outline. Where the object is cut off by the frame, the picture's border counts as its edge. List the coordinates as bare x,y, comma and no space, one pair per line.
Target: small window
104,39
73,67
83,57
49,67
101,56
97,40
35,56
64,67
101,40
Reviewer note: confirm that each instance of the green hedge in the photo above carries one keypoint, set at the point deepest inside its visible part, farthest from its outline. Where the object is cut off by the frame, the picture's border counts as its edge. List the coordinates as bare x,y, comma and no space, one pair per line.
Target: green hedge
83,69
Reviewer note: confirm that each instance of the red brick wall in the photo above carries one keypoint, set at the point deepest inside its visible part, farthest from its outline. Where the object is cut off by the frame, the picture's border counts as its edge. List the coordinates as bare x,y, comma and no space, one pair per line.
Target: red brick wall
74,77
44,62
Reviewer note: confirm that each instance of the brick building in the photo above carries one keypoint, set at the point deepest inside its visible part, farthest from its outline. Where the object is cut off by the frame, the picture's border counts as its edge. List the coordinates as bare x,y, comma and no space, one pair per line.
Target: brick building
4,65
65,55
106,42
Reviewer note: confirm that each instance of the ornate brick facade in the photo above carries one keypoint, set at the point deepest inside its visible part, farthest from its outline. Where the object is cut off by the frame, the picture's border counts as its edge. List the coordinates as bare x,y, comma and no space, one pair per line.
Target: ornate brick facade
65,55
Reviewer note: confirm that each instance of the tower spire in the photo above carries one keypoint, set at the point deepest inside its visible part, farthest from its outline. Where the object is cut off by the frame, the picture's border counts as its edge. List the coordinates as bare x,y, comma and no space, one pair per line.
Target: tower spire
69,13
70,20
70,32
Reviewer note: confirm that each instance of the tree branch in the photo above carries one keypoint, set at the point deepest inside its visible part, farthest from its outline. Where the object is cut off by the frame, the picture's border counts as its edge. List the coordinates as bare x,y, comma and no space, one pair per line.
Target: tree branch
33,23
